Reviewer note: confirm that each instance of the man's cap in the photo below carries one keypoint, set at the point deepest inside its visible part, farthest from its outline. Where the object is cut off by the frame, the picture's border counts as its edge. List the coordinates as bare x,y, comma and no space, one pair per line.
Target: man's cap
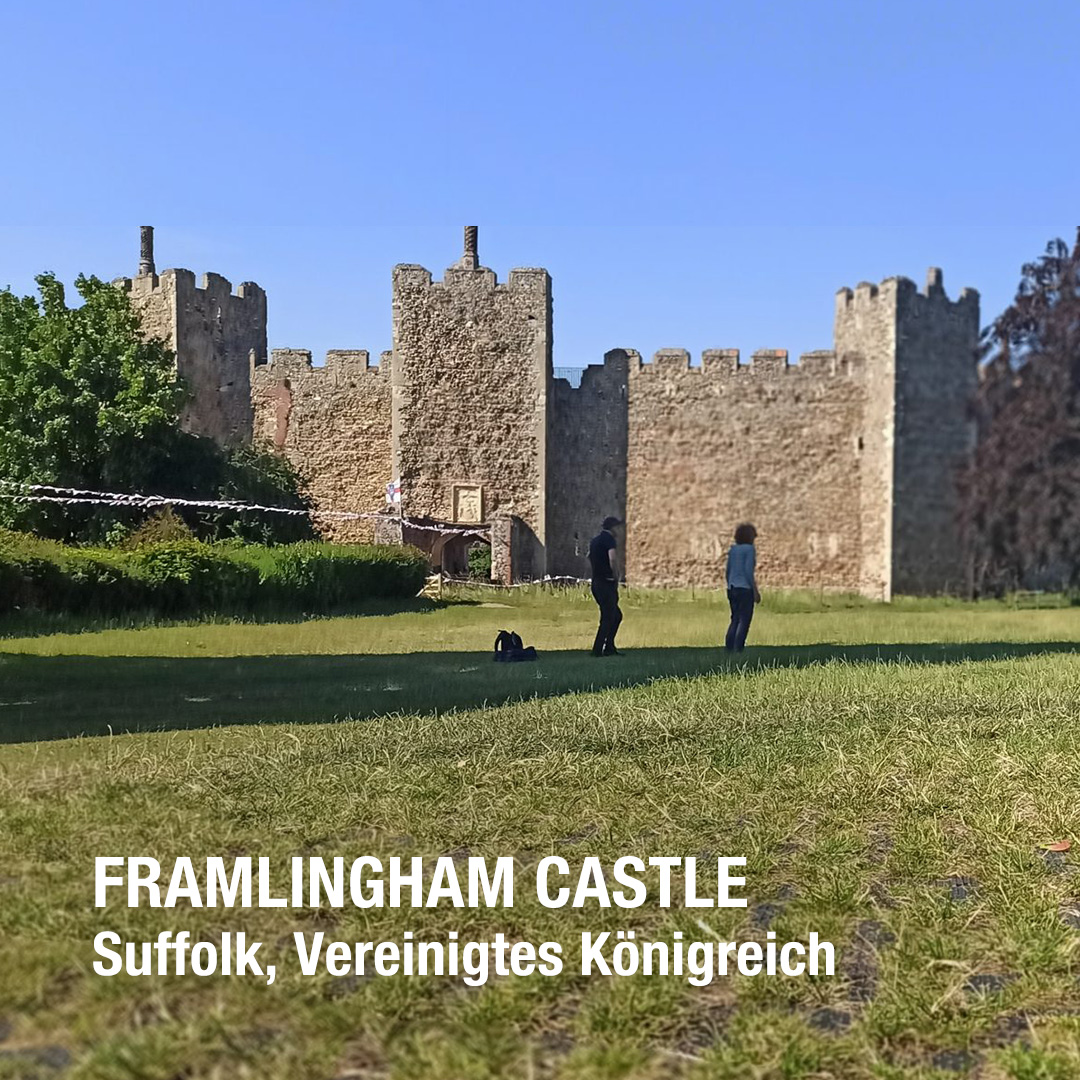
611,522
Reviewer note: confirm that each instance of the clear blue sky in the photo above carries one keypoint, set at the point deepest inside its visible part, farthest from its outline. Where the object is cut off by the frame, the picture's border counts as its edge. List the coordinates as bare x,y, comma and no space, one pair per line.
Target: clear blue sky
698,175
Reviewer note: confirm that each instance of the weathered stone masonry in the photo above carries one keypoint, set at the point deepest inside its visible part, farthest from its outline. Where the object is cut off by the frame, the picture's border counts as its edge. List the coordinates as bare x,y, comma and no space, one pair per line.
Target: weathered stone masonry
333,423
217,335
471,371
767,441
921,373
587,458
846,461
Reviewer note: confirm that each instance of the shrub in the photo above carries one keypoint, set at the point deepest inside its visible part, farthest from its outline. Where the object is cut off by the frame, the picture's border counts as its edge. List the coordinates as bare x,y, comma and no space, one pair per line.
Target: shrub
100,581
185,575
161,526
30,571
49,576
190,577
334,577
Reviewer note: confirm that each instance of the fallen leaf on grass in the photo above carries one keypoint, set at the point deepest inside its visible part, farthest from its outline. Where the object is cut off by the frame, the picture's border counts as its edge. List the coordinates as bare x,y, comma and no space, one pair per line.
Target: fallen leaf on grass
1061,845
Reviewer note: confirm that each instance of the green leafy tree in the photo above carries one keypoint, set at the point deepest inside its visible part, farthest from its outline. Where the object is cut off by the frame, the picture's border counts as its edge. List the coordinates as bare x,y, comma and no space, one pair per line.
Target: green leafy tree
253,475
86,402
480,561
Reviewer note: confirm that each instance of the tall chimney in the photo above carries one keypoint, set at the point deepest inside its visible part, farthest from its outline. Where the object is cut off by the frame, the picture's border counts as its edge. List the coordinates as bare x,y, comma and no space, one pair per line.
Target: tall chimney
471,259
146,250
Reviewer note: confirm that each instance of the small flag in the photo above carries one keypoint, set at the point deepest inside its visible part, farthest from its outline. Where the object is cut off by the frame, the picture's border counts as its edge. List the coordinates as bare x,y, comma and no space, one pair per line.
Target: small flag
393,493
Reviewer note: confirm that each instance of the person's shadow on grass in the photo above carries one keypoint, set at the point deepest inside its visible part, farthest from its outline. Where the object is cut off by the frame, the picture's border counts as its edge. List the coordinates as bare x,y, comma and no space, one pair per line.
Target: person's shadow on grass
54,697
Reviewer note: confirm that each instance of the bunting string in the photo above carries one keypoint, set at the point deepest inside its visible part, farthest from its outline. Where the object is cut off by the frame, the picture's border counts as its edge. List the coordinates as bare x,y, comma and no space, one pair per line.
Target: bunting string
66,496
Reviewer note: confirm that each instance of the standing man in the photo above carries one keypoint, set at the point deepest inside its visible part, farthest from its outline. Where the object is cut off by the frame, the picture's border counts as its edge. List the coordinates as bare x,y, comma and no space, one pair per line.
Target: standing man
605,586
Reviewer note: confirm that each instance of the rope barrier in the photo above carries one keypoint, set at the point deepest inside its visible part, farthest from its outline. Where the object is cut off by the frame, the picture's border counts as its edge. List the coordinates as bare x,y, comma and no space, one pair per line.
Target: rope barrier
549,579
66,496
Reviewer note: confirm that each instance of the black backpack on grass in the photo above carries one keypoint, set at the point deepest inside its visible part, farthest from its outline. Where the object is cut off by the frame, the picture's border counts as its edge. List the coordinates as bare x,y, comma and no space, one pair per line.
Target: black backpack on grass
509,649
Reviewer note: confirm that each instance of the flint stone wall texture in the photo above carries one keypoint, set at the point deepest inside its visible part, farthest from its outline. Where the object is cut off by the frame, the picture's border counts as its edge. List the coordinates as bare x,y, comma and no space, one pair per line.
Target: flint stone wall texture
471,368
587,460
865,332
936,379
718,444
333,424
215,333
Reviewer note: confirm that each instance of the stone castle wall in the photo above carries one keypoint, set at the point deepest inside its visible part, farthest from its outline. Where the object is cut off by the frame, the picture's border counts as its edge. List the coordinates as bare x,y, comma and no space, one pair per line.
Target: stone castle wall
587,460
846,461
769,442
215,333
471,368
333,424
936,380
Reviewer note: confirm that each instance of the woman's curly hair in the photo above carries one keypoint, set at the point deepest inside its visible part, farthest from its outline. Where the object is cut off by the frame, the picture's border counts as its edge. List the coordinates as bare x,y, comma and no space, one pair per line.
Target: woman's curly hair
745,533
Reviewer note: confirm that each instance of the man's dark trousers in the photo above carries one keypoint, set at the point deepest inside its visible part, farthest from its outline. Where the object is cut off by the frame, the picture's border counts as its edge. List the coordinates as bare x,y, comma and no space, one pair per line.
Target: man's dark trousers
606,595
742,611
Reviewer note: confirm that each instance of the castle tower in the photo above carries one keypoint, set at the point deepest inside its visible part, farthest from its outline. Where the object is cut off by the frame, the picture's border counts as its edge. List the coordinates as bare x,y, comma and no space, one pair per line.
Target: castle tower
217,336
587,459
471,370
919,349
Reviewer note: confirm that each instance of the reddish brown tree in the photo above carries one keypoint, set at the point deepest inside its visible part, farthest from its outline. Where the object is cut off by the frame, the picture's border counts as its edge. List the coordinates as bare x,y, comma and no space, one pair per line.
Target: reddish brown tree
1021,513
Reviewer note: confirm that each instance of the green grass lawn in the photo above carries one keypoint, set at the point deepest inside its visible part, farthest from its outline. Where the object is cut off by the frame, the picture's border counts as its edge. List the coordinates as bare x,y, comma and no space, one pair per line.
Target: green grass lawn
438,657
891,774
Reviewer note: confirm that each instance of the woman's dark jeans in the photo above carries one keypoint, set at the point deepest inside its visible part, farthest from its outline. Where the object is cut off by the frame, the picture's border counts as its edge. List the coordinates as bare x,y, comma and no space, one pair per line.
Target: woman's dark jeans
742,611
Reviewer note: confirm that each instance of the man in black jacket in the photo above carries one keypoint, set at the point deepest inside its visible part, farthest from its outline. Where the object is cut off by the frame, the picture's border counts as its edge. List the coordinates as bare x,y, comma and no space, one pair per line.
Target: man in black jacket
605,586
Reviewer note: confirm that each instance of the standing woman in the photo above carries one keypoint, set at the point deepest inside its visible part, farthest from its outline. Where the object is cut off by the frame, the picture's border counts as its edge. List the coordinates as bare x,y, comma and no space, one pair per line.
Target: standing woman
742,587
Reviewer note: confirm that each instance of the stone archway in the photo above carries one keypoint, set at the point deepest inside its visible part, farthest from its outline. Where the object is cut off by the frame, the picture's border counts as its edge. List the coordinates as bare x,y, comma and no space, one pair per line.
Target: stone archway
451,554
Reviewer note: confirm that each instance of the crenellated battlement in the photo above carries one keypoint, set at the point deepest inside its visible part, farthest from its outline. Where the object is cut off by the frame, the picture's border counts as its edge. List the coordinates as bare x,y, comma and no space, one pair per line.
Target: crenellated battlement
720,361
765,363
333,421
182,281
340,364
902,291
528,280
467,276
824,362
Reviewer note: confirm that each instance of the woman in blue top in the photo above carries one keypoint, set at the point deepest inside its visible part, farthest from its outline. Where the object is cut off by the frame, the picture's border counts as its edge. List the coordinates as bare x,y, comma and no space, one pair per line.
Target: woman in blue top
742,587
